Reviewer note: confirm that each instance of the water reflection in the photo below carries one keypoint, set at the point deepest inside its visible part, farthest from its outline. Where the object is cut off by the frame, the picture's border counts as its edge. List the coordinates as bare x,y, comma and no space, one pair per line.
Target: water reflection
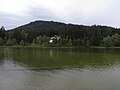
59,69
51,53
62,58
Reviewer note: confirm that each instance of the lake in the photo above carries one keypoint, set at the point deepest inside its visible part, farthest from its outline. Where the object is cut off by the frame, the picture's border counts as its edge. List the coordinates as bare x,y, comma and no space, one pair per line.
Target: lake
59,69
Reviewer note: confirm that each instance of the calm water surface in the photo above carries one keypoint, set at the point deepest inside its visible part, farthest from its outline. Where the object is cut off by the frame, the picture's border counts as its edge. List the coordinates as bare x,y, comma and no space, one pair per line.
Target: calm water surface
59,69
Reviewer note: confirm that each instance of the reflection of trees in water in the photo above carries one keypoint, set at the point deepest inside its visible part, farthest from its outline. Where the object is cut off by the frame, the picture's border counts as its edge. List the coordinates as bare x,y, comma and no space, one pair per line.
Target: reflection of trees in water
2,55
7,52
63,58
51,53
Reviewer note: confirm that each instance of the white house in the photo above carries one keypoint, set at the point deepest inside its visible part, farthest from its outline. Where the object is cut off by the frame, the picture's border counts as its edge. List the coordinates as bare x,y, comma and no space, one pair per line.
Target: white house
56,37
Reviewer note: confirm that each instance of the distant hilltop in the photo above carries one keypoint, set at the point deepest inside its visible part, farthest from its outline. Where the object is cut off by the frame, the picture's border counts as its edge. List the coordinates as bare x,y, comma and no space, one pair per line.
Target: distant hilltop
42,23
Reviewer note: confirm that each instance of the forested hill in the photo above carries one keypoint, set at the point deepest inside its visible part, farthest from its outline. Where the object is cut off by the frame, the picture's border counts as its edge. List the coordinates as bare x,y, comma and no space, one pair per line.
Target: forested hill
40,32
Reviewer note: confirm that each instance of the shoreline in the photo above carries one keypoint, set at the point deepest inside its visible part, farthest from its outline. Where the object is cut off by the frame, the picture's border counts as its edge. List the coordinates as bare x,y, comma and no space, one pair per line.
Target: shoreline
59,47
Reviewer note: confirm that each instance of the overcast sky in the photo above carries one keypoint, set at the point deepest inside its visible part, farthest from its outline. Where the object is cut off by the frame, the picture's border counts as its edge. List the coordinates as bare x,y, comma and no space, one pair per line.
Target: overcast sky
14,13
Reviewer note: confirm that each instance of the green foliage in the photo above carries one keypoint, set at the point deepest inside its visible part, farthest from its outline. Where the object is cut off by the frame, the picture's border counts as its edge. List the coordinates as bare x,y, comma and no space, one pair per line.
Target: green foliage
2,32
40,32
107,41
34,42
112,41
116,39
88,43
83,41
9,42
1,42
45,40
22,43
39,40
69,42
14,41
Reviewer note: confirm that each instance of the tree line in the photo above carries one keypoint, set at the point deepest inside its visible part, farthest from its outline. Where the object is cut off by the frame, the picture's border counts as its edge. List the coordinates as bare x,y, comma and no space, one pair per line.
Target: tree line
39,33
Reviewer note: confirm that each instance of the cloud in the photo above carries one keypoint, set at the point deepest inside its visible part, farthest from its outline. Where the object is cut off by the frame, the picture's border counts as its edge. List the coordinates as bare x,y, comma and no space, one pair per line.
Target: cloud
41,13
8,20
18,12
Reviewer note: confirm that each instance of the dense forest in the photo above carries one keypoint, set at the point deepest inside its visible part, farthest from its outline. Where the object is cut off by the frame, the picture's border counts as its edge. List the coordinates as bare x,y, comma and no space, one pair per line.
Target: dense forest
57,34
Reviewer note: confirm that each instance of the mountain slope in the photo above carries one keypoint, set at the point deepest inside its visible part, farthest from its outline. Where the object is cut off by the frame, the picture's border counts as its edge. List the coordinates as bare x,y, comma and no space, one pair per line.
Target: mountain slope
50,28
77,33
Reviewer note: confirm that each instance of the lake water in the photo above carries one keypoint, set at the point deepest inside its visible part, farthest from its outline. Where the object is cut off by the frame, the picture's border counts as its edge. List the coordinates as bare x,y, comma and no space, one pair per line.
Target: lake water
59,69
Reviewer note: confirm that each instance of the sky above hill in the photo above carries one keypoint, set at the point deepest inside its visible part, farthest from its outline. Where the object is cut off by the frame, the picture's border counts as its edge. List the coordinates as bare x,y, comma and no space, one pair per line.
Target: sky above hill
14,13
